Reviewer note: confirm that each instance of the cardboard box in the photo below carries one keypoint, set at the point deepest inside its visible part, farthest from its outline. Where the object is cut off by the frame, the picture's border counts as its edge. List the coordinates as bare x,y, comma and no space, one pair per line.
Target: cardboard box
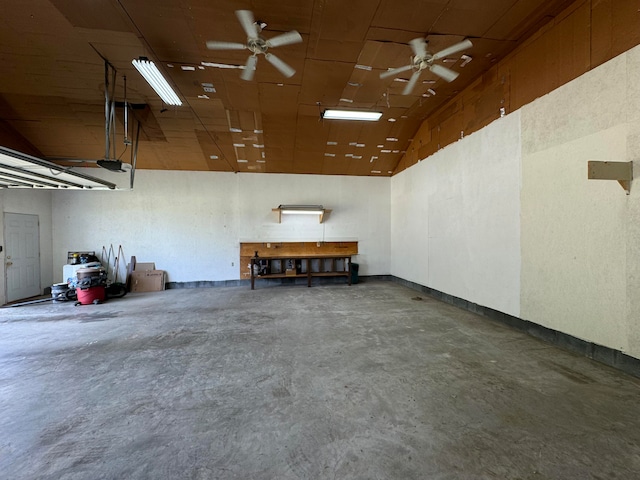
147,281
290,271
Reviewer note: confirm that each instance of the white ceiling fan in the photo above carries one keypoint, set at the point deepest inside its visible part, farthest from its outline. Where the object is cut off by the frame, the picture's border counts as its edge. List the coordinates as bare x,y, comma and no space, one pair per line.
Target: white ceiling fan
258,45
423,60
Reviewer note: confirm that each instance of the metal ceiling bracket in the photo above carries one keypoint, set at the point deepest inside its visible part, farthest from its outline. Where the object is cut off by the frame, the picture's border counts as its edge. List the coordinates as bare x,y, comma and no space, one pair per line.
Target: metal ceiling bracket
620,171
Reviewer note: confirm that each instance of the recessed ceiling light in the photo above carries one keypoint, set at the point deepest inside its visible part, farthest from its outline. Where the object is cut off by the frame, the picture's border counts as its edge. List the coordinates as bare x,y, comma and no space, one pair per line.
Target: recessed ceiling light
392,139
385,151
465,59
402,80
360,145
257,145
332,143
329,154
209,89
239,145
396,151
188,68
375,171
352,144
235,130
213,157
380,146
243,161
207,84
431,91
429,81
351,115
261,161
348,154
257,131
354,84
203,97
392,120
363,67
357,157
346,100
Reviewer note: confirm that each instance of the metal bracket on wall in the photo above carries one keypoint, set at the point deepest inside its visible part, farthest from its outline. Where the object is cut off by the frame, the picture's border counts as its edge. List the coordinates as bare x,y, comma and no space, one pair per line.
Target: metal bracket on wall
620,171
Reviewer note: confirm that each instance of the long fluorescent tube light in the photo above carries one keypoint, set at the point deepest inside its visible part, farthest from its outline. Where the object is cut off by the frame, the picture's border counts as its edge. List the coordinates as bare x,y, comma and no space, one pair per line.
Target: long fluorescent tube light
153,76
302,209
351,115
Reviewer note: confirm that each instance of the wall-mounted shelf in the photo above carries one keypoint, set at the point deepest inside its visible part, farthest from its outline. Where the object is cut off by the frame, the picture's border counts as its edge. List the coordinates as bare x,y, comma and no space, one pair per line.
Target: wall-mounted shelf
301,210
620,171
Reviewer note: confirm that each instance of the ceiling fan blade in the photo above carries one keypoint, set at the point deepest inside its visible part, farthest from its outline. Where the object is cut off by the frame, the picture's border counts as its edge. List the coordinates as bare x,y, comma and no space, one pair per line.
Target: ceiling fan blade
395,71
285,69
284,39
249,68
245,17
458,47
412,83
213,45
419,47
444,72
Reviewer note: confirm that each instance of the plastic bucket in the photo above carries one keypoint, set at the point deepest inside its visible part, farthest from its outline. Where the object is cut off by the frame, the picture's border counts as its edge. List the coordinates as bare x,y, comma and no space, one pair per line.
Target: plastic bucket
59,292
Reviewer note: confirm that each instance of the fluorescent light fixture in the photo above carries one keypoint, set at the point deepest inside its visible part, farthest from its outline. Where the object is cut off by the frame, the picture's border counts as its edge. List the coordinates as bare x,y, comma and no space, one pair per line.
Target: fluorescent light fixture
301,209
19,170
351,115
154,78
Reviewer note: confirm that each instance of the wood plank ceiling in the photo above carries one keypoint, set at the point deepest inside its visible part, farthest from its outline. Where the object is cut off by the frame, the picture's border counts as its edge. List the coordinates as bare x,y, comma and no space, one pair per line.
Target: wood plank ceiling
52,81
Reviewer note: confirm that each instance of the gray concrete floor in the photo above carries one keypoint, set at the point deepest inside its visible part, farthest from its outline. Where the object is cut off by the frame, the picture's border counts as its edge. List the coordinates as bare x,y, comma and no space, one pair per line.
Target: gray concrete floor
328,382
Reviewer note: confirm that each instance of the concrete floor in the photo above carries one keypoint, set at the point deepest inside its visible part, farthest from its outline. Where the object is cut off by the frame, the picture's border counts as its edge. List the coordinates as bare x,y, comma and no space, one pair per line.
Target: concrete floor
328,382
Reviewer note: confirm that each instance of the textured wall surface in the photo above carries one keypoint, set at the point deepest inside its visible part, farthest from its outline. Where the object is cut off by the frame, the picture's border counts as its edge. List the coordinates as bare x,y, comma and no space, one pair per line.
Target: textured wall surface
579,237
456,218
191,223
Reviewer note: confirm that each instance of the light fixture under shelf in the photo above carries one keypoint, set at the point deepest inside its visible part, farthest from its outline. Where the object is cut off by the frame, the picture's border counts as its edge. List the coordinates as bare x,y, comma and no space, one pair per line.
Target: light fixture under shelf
301,210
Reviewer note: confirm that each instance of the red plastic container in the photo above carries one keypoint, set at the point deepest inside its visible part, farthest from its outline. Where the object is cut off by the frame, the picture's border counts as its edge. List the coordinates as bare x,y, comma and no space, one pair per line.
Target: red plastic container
91,295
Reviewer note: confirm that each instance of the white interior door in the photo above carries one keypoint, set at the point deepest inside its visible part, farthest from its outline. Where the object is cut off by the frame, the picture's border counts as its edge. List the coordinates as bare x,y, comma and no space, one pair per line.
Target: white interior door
22,255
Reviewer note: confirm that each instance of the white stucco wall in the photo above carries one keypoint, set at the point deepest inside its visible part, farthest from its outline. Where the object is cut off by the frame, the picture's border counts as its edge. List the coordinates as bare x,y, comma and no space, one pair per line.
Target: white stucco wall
580,237
32,202
191,223
507,218
455,218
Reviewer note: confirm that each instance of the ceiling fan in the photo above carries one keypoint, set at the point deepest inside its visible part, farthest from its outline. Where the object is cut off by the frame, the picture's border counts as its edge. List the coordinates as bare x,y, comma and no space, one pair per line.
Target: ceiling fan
423,60
258,45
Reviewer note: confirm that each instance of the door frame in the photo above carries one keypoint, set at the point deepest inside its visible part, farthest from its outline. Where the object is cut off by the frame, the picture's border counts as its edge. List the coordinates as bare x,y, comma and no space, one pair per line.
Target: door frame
3,255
